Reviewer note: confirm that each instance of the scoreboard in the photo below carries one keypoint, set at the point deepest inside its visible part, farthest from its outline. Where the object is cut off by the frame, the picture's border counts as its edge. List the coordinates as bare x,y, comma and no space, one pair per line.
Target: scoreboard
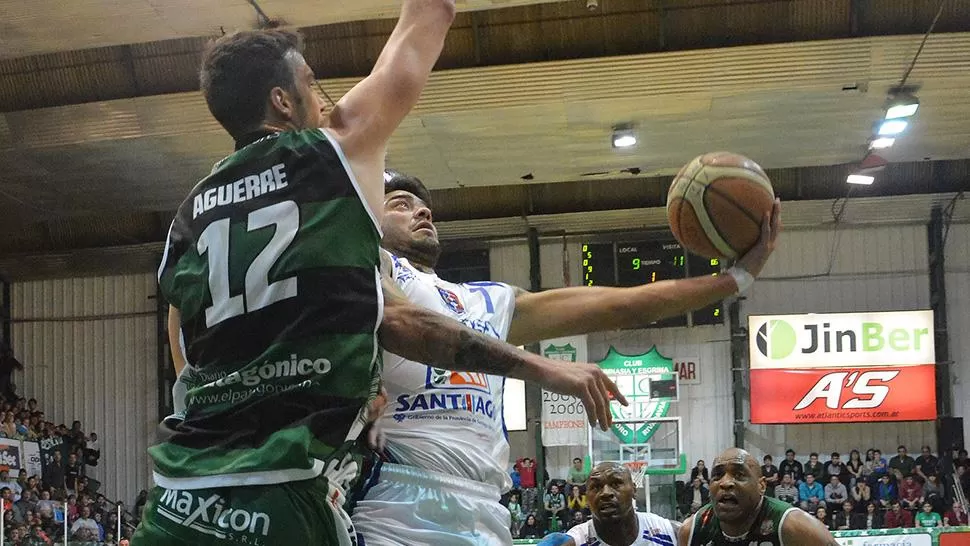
635,263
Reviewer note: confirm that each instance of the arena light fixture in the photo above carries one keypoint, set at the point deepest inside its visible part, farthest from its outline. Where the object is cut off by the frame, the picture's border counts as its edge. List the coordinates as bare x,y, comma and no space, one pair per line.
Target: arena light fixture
861,179
902,106
882,143
892,127
624,136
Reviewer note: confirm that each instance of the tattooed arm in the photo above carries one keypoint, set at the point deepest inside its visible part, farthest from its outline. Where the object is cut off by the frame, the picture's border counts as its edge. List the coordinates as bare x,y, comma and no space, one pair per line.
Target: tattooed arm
434,339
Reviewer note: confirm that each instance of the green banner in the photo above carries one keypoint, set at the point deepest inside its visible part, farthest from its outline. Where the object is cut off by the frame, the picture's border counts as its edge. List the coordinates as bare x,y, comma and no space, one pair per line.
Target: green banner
638,378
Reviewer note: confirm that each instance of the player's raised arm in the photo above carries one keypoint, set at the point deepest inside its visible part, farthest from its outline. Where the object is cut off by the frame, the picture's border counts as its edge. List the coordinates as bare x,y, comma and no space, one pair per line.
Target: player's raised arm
425,336
578,310
368,114
801,529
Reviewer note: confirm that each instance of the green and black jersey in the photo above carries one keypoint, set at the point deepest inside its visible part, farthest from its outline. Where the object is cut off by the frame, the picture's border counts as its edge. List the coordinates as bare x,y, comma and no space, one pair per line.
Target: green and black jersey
765,531
272,261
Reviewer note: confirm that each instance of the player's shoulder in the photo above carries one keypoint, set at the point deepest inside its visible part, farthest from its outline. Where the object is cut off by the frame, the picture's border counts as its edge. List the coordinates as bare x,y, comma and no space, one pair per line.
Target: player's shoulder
658,529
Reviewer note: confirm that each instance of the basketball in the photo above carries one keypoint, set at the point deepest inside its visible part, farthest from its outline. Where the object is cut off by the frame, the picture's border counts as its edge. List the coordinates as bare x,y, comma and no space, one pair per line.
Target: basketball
716,204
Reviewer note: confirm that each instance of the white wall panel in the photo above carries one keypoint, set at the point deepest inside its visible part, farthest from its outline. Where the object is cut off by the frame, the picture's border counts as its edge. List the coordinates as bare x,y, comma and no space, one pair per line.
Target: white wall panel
89,350
958,316
872,269
509,263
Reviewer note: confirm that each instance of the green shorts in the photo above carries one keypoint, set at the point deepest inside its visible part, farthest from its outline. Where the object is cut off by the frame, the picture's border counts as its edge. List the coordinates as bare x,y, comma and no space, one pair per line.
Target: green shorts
305,512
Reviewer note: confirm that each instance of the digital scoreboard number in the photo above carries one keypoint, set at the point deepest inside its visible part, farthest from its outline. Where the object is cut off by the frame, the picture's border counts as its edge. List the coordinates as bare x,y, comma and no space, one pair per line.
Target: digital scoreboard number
644,262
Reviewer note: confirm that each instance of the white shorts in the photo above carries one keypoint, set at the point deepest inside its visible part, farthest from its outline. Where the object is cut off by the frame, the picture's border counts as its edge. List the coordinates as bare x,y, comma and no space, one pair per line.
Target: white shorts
414,507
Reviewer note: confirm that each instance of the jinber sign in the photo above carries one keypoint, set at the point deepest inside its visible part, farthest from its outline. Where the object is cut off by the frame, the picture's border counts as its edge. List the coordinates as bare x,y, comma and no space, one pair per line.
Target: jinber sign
845,367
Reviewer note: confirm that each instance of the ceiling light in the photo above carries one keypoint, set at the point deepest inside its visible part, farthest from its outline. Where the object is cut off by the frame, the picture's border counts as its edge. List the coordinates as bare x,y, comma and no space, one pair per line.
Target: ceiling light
882,143
624,141
860,179
624,136
902,106
892,127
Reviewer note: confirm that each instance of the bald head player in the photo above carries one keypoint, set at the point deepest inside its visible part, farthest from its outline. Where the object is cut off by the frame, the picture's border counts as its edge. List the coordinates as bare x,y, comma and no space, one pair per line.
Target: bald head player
446,444
740,514
610,491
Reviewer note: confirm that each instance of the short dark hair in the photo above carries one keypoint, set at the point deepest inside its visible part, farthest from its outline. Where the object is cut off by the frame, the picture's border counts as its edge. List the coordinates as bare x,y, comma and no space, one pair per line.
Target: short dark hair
835,454
239,70
396,180
809,474
900,447
813,455
790,450
577,460
768,458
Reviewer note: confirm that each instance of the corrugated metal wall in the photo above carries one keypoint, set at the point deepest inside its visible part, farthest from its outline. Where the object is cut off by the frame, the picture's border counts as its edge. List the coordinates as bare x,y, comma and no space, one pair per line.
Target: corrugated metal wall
89,350
872,269
958,315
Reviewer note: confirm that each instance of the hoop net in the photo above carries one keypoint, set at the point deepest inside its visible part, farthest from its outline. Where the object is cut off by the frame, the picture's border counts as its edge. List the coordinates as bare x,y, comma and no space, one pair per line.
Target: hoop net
638,469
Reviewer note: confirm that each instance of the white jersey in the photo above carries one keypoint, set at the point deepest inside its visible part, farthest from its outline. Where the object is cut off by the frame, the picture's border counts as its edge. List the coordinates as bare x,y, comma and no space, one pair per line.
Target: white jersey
443,421
654,531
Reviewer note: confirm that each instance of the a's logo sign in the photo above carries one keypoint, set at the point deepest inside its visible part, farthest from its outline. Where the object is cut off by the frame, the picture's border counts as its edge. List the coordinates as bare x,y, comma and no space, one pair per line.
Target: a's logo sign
776,339
452,301
865,395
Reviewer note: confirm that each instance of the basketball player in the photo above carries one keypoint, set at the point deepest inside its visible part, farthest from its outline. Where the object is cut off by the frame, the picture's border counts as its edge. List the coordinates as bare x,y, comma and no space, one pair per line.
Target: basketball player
615,522
740,514
271,268
446,442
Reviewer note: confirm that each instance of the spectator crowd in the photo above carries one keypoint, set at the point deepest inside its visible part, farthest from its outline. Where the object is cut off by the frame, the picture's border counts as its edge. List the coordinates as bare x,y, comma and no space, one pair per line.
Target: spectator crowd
851,493
35,506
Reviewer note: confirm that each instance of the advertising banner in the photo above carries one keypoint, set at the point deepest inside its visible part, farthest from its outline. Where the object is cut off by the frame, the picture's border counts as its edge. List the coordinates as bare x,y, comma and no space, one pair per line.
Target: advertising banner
845,367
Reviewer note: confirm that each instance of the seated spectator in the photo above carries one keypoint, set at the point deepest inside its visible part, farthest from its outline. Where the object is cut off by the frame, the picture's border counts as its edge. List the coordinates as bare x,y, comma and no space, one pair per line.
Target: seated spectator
555,504
787,491
791,466
814,467
835,467
835,494
45,506
579,518
963,478
956,517
879,467
770,472
696,495
927,517
861,494
897,517
12,485
873,518
886,492
532,528
926,464
823,517
515,513
962,459
577,474
6,494
933,493
855,468
846,518
911,494
902,465
85,528
700,471
577,500
810,493
8,429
